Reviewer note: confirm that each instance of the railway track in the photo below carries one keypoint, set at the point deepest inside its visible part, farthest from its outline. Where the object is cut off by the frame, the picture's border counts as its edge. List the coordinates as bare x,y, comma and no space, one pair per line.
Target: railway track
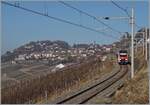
87,94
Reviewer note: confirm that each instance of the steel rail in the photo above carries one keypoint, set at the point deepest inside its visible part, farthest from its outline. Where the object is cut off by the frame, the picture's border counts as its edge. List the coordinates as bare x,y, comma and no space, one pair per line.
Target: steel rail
107,86
93,86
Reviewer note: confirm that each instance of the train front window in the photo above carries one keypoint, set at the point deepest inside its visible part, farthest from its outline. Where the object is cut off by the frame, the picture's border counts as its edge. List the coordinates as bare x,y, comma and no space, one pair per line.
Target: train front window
123,55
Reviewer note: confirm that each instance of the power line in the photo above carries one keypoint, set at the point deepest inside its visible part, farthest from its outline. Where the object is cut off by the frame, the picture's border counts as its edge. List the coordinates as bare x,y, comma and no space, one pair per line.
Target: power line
137,26
58,19
80,11
124,10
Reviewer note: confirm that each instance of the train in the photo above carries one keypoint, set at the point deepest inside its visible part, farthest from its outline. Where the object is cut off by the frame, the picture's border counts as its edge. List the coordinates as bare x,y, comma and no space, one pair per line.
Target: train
123,57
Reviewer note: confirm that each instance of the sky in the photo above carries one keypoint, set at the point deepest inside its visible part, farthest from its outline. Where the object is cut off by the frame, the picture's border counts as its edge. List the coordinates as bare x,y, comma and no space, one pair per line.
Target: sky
20,27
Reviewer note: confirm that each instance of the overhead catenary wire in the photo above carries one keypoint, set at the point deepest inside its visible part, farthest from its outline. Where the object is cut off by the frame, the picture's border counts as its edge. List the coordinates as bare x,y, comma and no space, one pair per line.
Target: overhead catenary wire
58,19
45,8
137,26
124,10
85,13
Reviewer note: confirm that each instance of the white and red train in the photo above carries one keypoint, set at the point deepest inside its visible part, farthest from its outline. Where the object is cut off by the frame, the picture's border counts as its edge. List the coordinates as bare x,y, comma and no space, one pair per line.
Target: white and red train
123,57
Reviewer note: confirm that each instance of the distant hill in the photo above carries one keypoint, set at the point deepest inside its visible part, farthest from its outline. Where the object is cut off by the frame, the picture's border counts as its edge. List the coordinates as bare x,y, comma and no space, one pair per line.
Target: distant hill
35,47
39,46
80,46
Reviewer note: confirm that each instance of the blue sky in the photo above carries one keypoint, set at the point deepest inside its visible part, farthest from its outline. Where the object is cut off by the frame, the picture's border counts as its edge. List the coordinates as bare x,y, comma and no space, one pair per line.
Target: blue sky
20,27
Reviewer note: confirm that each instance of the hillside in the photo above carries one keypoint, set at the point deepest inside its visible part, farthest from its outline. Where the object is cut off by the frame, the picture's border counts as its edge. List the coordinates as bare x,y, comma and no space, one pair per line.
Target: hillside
35,47
134,91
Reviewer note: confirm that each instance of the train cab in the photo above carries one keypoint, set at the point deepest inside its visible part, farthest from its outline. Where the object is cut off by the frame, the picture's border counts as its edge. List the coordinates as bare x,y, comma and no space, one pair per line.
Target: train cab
123,57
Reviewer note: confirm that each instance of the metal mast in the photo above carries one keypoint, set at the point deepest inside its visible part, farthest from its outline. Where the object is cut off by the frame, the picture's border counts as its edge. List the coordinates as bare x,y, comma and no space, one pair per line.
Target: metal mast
132,44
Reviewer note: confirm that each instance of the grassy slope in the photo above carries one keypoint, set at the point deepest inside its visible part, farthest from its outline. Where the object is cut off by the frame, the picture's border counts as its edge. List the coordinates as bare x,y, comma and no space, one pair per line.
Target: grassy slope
34,90
83,82
136,90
